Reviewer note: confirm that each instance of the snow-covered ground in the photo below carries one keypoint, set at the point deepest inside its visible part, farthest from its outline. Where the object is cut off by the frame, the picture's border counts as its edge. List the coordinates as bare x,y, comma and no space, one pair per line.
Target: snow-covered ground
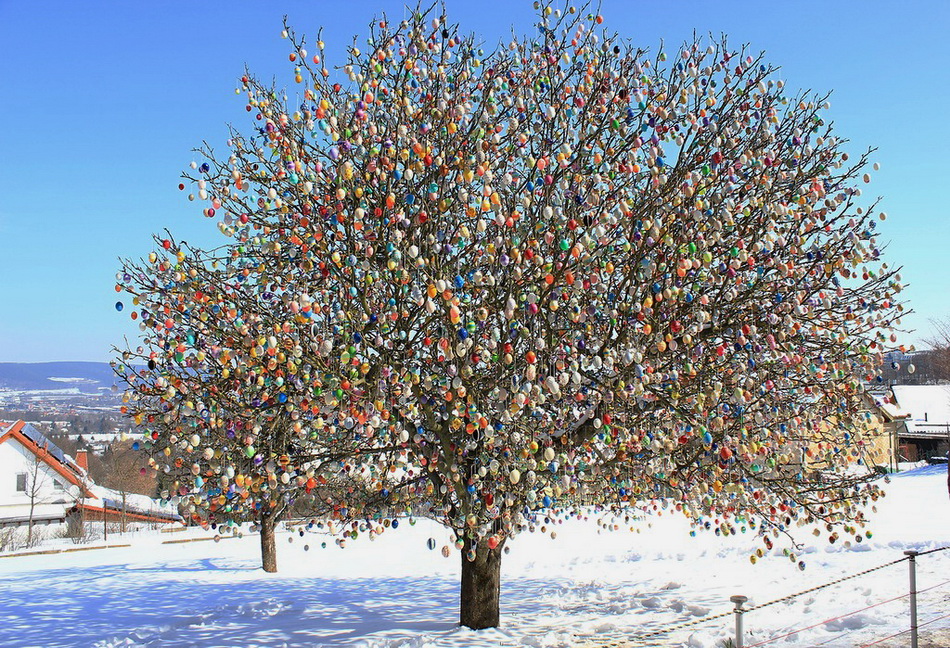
588,587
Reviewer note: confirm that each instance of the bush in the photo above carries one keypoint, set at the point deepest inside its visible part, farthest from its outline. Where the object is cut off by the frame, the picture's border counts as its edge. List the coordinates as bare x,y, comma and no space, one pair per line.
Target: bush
9,539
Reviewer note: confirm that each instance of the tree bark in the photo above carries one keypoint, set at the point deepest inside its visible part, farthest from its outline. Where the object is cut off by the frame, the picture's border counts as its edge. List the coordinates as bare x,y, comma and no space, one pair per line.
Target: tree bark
29,528
268,541
34,490
481,586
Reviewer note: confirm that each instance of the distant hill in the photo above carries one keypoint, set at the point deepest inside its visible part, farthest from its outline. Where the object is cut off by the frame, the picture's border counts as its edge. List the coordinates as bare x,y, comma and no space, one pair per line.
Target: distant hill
88,377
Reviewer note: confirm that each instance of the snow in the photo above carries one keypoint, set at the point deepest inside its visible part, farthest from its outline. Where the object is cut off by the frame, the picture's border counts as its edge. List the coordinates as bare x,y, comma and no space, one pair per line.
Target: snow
586,588
924,402
133,501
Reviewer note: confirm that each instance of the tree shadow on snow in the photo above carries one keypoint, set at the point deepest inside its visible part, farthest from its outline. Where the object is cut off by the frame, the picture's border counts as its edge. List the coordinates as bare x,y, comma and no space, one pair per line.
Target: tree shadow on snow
116,606
161,605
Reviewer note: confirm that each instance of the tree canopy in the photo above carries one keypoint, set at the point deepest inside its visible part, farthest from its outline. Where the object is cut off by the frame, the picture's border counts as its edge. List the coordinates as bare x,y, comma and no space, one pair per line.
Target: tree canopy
565,270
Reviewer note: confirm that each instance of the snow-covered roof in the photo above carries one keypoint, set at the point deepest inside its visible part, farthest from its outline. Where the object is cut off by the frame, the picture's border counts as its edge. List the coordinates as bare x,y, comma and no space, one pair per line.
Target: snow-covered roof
112,499
928,406
889,408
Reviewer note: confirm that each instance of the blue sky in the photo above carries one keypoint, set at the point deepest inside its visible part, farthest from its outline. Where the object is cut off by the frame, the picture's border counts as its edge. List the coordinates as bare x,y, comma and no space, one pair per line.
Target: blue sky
102,103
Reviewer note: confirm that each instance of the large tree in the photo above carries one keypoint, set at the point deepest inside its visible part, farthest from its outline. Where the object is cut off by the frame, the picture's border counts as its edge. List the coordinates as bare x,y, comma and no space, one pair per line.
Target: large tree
566,269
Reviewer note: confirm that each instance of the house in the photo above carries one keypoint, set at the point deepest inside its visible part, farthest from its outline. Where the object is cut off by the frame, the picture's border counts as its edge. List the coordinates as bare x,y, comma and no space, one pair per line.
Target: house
42,485
38,481
873,434
925,432
885,421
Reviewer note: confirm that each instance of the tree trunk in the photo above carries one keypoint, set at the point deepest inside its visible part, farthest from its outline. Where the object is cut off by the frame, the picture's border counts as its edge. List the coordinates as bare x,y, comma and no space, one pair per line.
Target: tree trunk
481,586
34,490
29,528
268,541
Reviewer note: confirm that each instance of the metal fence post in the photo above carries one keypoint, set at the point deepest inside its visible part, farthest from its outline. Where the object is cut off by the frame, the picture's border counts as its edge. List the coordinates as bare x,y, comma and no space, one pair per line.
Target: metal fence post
739,600
912,566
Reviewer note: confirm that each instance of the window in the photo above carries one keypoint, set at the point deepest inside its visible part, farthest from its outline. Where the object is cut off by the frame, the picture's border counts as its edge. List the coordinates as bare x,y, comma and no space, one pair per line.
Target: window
21,482
58,485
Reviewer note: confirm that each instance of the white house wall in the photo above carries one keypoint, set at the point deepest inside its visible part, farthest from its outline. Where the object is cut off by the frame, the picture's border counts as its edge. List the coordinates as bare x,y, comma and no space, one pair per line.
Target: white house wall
49,502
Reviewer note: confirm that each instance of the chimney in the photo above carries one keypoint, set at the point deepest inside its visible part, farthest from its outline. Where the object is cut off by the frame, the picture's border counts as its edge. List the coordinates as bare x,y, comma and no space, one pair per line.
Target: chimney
82,460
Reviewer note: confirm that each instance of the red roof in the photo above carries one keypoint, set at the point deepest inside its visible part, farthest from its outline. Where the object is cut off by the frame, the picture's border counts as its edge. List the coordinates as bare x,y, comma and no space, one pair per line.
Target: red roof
47,452
131,514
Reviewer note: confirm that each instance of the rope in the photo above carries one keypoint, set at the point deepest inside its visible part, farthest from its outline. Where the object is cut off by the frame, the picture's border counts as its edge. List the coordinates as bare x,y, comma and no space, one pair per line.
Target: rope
688,624
840,616
823,586
897,634
640,638
931,587
841,580
943,616
843,616
680,626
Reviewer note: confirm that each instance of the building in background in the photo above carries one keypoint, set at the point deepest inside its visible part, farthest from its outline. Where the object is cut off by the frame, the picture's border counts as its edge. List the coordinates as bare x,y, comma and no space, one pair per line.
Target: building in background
41,486
924,432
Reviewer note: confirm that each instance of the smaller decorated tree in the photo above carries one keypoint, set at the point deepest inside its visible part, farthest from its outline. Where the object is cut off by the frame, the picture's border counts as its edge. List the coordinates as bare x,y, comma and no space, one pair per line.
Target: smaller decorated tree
231,404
